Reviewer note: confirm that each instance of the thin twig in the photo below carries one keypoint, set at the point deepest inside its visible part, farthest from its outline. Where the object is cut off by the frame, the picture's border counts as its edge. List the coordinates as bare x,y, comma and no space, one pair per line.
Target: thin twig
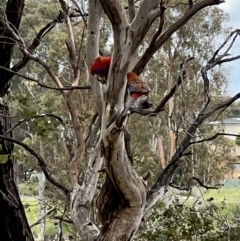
41,162
41,218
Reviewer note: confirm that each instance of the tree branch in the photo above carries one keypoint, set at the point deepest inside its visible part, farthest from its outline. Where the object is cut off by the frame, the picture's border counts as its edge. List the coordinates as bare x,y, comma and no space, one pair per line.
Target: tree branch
212,138
36,42
25,51
79,153
41,163
173,28
95,13
236,33
114,10
71,44
164,101
41,218
147,13
201,184
33,117
47,86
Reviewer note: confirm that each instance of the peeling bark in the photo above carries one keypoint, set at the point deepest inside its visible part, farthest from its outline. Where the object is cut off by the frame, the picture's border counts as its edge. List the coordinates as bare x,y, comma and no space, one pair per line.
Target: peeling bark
82,196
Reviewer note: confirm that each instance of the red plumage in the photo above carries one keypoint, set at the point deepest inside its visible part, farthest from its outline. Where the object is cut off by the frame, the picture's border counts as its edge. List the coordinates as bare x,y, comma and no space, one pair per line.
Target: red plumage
136,87
100,66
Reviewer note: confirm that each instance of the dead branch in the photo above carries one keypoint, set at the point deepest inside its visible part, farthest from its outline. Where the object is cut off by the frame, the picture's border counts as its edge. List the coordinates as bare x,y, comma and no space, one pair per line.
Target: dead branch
41,163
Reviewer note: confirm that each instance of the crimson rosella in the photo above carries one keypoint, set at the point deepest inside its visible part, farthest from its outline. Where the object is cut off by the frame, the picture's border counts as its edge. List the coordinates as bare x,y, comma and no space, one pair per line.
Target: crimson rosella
138,91
100,67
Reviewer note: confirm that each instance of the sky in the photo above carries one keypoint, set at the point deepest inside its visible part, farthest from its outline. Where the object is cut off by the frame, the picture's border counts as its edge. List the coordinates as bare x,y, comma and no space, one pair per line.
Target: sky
232,8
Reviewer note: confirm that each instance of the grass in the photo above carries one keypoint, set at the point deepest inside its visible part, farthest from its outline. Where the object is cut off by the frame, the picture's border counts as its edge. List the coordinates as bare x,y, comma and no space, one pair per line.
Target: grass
226,199
28,192
230,194
32,212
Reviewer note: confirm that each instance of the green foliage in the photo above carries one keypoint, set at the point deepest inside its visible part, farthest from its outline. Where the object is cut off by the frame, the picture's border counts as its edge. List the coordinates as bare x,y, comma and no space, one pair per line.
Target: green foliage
237,140
195,219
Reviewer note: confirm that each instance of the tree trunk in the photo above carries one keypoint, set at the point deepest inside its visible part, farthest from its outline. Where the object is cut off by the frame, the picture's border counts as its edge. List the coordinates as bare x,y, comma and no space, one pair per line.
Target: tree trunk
13,221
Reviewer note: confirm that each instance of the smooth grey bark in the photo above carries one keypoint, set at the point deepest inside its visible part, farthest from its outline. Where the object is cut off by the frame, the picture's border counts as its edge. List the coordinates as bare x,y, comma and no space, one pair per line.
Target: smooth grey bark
122,199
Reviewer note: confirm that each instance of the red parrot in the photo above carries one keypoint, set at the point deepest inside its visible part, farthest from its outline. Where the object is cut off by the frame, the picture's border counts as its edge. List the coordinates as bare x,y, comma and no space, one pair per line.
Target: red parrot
100,67
138,91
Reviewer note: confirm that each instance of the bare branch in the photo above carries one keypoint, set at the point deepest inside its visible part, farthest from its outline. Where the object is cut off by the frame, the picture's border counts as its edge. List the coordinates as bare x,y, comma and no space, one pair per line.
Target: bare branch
160,27
26,52
212,138
179,188
71,44
41,163
36,41
47,86
201,184
34,117
80,11
173,28
236,33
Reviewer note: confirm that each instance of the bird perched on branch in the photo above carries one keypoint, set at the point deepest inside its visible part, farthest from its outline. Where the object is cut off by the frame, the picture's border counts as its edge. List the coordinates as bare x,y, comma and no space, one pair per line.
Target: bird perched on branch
100,67
138,91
